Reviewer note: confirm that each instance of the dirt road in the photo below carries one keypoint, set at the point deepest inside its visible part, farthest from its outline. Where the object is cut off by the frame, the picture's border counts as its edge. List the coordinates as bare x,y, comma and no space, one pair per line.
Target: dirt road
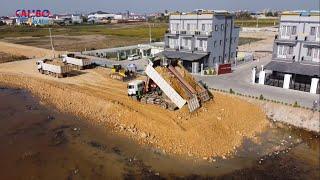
215,130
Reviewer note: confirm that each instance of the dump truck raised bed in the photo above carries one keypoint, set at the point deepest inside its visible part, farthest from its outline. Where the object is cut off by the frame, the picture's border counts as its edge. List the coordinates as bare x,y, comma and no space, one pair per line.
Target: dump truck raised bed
76,61
53,67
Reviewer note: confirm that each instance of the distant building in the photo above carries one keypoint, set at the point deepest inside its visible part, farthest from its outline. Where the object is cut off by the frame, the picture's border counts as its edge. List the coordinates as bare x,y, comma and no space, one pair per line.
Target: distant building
100,17
7,20
296,53
202,39
76,19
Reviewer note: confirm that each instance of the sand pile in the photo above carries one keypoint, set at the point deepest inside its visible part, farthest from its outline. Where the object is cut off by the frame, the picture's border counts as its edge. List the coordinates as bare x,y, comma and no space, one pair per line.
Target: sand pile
174,82
55,61
216,129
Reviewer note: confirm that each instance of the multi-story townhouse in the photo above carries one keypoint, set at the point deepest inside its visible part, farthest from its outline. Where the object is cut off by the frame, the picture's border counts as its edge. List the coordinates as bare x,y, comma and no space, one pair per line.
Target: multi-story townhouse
202,40
296,54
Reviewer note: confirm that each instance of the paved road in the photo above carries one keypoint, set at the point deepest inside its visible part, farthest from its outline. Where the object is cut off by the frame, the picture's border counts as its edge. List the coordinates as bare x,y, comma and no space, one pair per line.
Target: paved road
239,81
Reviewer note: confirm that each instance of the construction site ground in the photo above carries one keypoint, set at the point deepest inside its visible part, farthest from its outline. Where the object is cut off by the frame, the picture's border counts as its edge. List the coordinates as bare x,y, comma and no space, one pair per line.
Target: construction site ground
216,129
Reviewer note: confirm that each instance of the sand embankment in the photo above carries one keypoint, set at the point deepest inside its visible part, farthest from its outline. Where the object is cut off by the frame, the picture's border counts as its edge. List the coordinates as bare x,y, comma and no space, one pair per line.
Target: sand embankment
215,130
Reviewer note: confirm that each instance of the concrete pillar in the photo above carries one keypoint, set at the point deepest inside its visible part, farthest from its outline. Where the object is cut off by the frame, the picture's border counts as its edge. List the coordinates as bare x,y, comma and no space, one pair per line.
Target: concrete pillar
253,75
314,85
286,81
195,67
118,56
262,77
202,72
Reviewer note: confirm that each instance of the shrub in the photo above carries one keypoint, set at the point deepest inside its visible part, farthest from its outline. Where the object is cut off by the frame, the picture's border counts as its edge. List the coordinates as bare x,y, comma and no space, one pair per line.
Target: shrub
231,91
296,104
261,97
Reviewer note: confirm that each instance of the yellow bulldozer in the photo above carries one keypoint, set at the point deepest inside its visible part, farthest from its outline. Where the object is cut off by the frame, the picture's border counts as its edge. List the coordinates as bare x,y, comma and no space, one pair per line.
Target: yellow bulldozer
122,74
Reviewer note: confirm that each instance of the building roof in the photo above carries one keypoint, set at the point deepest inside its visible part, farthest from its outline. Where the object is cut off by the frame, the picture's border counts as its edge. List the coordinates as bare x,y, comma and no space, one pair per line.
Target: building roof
182,55
294,68
211,12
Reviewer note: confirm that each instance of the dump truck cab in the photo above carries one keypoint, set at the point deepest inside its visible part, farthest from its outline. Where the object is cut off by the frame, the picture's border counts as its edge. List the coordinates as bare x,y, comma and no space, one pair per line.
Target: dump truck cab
136,88
39,64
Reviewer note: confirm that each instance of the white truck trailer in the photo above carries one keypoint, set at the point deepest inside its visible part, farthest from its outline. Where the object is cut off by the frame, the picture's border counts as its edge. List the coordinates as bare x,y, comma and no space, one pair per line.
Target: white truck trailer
76,61
53,67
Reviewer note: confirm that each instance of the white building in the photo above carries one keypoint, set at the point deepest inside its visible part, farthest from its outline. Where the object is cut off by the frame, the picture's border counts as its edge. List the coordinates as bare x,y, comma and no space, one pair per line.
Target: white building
296,53
202,39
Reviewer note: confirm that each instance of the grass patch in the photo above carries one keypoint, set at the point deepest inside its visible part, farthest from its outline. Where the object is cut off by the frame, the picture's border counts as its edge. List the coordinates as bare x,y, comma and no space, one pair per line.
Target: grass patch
136,30
246,40
253,22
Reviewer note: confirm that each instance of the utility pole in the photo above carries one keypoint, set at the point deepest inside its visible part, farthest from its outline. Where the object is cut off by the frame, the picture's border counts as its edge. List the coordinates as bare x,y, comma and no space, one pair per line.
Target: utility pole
51,43
150,40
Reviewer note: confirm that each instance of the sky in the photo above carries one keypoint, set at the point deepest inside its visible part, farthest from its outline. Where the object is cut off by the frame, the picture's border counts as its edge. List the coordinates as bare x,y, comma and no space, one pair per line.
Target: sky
8,7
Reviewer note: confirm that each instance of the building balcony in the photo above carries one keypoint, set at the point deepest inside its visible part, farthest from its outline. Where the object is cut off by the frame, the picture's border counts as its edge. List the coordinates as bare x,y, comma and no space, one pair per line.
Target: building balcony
286,38
312,38
288,57
171,47
309,60
200,49
172,33
186,48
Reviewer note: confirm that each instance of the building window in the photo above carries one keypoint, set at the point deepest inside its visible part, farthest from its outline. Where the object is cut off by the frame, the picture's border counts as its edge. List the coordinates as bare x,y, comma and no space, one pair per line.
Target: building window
294,30
216,28
185,42
220,59
200,43
313,31
287,31
235,39
188,27
214,43
290,50
316,55
309,52
283,51
203,27
232,55
222,27
220,42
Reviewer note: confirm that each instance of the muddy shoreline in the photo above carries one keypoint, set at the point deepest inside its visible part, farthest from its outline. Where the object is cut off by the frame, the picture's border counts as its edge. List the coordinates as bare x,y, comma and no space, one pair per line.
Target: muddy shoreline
94,147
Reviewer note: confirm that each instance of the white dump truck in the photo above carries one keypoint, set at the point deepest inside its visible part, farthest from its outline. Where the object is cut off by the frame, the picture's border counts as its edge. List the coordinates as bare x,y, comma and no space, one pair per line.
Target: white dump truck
53,67
76,61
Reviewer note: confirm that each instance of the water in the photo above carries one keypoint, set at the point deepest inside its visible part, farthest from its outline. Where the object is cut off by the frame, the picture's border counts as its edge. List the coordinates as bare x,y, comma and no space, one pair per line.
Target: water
37,142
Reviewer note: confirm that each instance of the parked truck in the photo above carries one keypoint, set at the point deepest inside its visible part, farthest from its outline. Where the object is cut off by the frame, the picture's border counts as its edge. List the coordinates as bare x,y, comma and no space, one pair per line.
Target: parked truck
53,67
76,61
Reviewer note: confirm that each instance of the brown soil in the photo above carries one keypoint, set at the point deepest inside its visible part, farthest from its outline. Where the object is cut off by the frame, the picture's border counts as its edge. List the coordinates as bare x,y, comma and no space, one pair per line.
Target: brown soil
215,130
56,61
5,57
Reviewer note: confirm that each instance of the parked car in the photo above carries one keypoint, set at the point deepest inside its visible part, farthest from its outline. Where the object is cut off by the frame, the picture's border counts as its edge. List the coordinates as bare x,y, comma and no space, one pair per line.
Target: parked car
133,57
